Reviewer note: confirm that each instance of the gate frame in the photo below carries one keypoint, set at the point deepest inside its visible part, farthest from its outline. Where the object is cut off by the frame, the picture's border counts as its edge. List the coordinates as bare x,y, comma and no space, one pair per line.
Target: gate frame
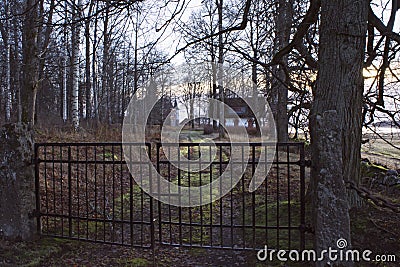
302,163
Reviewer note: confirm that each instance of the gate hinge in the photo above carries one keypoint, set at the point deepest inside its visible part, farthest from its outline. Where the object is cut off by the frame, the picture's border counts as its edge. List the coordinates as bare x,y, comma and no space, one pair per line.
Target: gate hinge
305,163
34,214
307,229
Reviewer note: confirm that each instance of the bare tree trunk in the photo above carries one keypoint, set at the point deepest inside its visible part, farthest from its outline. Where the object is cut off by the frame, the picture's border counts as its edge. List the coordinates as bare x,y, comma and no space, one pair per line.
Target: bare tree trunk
16,64
75,64
221,70
64,68
105,67
30,62
214,84
8,66
94,73
64,92
88,86
283,22
337,103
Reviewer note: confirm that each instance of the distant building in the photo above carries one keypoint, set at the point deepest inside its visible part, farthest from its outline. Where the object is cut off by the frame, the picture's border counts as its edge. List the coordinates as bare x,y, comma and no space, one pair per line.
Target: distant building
239,108
163,107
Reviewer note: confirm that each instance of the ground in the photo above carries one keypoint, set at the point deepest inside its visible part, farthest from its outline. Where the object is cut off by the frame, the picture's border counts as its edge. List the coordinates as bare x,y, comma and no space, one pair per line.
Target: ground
372,228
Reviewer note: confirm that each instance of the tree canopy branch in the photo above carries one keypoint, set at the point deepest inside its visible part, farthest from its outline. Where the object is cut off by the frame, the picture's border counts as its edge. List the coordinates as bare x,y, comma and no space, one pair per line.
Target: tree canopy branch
310,18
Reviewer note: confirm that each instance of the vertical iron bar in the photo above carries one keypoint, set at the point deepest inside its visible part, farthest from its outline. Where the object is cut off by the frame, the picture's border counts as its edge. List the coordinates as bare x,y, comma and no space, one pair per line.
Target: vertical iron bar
179,190
221,199
104,194
130,197
190,209
211,201
302,197
69,194
201,198
77,190
37,189
47,188
266,194
121,175
87,192
152,232
288,192
253,194
277,199
169,190
141,198
158,185
61,192
45,180
243,201
113,194
231,200
95,192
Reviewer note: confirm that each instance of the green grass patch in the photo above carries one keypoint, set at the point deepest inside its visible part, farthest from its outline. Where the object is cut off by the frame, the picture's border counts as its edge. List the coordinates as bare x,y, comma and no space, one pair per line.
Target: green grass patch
134,262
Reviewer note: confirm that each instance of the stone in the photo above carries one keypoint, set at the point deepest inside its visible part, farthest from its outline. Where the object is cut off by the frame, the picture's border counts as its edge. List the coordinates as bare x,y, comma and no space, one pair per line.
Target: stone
17,182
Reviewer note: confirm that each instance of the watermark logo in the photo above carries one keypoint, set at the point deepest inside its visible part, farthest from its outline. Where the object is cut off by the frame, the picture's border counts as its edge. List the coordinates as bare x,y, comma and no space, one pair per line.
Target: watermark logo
329,255
154,105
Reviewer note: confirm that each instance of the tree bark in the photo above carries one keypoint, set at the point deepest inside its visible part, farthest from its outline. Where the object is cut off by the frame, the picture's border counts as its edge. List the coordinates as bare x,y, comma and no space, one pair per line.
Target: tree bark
339,88
30,62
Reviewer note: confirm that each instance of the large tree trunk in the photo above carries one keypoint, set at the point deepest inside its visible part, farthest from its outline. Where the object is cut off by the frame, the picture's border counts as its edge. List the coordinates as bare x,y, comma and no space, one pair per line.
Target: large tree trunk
30,62
335,118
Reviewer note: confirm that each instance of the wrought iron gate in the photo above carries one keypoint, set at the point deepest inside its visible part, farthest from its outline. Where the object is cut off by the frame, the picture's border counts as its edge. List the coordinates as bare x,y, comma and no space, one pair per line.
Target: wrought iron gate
85,192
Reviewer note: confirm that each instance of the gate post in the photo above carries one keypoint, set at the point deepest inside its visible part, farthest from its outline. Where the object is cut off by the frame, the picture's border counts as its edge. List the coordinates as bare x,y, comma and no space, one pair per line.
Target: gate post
17,182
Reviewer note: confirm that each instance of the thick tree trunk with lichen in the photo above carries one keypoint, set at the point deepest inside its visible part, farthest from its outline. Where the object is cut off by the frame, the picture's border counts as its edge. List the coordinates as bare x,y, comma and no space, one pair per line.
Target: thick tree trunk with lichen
17,182
338,90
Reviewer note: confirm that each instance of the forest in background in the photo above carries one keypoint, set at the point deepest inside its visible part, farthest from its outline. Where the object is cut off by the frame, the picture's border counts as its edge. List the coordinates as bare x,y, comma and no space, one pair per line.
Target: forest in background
89,58
328,69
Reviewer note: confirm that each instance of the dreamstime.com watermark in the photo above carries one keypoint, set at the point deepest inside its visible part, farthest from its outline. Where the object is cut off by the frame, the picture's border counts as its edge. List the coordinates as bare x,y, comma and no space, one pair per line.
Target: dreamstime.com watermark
338,254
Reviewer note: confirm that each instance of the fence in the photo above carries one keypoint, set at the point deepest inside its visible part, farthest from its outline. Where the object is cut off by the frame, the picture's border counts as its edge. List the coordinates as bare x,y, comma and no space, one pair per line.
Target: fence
85,192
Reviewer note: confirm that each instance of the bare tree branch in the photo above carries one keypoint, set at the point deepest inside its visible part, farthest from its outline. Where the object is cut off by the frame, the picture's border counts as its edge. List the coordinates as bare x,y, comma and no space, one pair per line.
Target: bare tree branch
378,24
310,18
239,27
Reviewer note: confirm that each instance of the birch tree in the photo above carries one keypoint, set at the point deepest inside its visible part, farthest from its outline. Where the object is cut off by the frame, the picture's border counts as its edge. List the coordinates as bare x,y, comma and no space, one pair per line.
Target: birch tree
75,61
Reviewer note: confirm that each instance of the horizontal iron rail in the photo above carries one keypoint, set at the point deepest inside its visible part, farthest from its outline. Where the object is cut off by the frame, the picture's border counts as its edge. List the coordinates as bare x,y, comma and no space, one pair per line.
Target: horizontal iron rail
92,144
237,226
93,219
100,241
